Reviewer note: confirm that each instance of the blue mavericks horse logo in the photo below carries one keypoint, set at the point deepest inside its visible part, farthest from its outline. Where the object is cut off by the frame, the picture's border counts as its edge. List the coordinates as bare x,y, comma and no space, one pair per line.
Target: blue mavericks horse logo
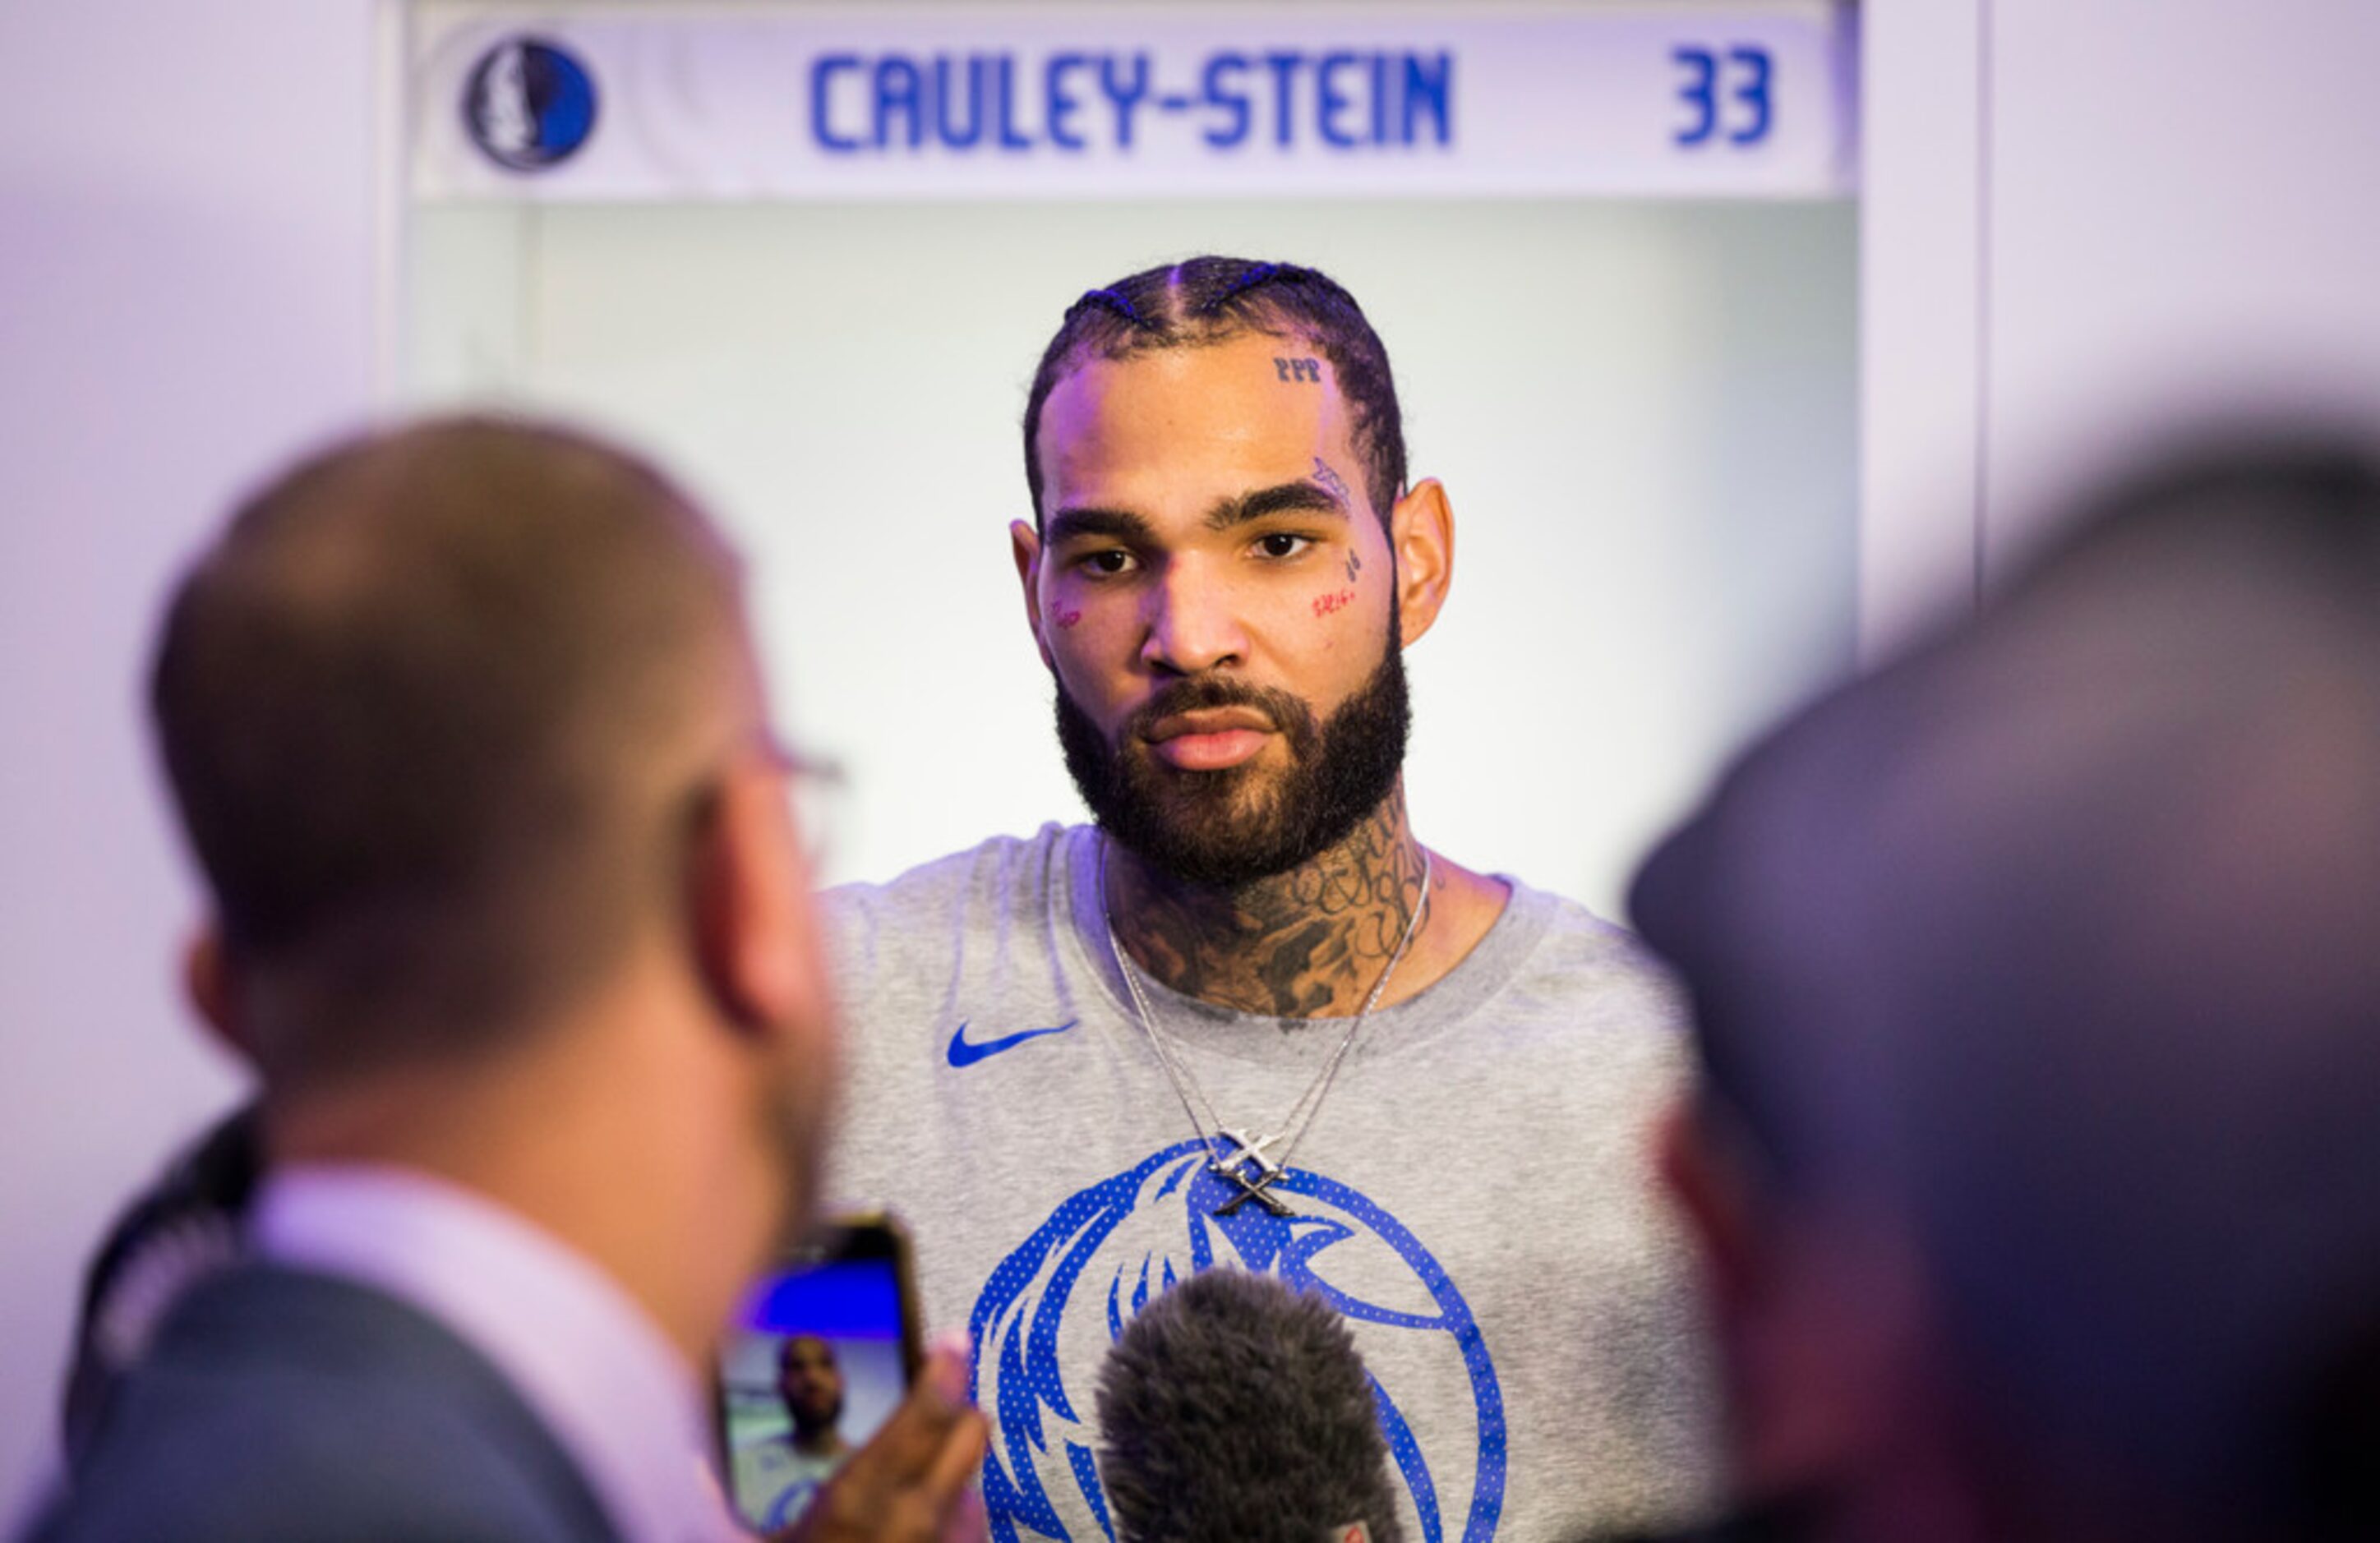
1055,1305
529,104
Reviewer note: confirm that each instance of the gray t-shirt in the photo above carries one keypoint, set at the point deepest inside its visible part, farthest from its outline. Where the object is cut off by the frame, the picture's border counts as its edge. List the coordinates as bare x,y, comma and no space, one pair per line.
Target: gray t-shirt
1476,1194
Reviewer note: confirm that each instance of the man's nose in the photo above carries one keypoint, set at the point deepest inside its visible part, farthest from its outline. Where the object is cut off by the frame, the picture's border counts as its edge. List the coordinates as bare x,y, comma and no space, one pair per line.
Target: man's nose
1193,623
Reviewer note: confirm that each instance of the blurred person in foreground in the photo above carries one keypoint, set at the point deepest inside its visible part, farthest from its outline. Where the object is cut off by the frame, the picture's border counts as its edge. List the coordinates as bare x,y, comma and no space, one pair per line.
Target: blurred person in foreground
510,916
2036,981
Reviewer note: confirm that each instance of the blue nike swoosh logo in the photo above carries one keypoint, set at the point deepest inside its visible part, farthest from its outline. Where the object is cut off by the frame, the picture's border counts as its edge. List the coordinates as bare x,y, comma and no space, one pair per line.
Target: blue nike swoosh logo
967,1052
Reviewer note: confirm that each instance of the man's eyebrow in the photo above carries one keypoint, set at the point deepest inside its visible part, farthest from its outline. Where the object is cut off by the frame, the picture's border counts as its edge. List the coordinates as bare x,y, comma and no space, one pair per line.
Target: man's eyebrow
1288,498
1073,524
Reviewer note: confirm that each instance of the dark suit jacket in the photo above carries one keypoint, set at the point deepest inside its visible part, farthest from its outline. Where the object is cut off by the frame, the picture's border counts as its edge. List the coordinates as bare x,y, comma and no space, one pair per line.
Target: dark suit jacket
278,1405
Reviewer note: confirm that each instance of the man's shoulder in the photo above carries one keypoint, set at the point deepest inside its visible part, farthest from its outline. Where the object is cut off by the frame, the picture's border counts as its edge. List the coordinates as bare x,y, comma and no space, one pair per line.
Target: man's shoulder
278,1403
1595,969
996,881
997,863
1578,936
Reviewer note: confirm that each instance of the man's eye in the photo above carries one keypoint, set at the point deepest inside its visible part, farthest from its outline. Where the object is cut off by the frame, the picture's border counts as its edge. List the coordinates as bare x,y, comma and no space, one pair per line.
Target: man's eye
1114,560
1281,544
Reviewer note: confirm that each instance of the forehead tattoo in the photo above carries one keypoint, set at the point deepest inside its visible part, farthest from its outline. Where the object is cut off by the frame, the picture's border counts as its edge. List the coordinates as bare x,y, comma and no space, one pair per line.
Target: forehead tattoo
1331,481
1307,370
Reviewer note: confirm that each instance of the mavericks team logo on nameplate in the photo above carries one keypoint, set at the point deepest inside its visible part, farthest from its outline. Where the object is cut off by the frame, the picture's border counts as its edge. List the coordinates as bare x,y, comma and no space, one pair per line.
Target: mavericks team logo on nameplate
529,104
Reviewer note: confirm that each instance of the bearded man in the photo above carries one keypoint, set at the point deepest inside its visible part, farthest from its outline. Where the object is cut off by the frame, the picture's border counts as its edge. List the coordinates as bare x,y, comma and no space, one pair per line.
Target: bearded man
782,1474
1248,1017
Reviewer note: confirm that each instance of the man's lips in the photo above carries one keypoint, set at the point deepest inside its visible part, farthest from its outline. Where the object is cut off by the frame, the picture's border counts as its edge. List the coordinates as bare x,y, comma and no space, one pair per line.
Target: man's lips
1209,739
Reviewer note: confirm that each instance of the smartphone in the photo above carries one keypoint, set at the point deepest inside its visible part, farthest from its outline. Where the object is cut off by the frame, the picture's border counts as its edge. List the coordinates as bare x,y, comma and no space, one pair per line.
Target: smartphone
821,1353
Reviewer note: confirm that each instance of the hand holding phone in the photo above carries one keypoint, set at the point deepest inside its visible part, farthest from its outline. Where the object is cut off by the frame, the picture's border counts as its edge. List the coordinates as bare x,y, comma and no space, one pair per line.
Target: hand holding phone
909,1483
831,1425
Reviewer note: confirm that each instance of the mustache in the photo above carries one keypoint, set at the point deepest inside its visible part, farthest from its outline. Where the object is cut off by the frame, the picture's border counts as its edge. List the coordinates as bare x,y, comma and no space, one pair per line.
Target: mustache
1195,693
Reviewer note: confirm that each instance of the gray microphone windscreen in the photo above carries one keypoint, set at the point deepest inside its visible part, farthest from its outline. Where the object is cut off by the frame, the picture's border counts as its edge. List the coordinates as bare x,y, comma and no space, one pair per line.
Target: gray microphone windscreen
1234,1408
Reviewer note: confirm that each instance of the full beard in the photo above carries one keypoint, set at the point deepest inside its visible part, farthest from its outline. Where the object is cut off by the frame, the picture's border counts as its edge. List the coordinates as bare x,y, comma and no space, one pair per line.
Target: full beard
1230,828
810,1429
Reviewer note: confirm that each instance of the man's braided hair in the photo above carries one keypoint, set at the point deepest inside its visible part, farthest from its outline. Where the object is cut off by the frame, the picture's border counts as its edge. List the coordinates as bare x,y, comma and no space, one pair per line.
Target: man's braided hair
1211,300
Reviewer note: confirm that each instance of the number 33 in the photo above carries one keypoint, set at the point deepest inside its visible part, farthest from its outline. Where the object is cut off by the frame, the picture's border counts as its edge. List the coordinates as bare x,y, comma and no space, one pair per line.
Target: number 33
1699,91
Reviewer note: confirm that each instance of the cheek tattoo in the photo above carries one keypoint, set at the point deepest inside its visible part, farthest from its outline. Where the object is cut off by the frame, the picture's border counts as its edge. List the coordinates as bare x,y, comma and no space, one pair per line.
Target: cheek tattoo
1063,617
1324,604
1299,369
1354,567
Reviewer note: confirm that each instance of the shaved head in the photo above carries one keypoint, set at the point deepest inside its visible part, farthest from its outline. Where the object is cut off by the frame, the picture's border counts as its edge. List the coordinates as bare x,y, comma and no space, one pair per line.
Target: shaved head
437,708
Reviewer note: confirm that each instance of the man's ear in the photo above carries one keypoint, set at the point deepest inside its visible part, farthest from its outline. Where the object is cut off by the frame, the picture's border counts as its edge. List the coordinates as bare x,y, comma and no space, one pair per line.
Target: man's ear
1421,532
755,940
1024,544
212,985
1828,1356
1714,1196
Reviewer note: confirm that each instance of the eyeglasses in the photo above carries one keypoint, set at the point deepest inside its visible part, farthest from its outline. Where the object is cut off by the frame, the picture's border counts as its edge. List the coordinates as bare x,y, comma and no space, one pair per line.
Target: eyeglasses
815,784
819,793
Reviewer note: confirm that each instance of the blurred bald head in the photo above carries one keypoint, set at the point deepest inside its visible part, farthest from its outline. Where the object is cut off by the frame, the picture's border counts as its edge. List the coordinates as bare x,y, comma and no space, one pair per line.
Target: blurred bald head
436,706
2052,949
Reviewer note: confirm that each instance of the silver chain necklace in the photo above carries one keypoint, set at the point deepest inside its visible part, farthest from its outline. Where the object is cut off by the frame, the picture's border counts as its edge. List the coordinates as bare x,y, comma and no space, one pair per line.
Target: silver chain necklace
1233,1155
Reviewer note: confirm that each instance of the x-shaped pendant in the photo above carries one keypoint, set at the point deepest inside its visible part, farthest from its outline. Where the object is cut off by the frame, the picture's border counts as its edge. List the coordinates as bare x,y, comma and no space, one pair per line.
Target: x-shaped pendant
1247,1154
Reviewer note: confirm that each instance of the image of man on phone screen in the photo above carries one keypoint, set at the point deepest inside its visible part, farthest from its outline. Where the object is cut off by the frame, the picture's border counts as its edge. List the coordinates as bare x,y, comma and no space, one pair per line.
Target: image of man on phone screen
780,1472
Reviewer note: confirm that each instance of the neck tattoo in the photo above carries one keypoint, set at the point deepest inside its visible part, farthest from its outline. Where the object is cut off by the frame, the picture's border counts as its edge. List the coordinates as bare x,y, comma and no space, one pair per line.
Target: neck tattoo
1241,1161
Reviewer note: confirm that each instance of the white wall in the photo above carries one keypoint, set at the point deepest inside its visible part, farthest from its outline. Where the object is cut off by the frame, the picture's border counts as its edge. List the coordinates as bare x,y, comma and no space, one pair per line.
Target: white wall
2083,229
1921,283
185,267
2183,217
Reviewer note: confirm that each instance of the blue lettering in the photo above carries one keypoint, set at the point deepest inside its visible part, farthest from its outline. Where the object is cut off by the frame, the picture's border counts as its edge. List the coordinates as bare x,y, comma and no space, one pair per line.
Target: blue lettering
1125,99
966,101
822,72
1429,83
1284,76
946,90
1330,101
1062,106
1227,97
896,96
1005,72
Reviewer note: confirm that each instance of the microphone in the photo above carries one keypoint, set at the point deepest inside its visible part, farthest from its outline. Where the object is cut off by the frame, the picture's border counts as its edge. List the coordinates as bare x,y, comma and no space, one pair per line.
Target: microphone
1233,1410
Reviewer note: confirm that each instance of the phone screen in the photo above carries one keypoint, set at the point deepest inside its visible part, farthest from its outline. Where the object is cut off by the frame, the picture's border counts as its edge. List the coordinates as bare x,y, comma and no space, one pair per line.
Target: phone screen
815,1365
